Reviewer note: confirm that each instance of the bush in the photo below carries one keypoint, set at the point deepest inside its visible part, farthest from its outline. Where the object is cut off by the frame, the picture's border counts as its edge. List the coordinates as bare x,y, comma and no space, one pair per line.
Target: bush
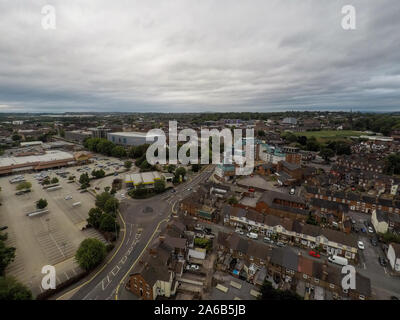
91,253
24,185
41,203
11,289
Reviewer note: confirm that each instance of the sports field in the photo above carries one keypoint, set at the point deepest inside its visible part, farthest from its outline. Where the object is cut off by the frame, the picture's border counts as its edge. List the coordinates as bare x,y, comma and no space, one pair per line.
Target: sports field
324,135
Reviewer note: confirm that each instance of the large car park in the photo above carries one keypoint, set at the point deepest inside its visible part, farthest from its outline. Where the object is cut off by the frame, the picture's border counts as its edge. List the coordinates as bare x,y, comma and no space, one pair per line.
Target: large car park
49,238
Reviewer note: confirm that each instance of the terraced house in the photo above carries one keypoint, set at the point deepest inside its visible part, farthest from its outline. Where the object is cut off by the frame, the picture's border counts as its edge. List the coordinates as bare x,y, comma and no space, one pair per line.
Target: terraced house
355,201
331,242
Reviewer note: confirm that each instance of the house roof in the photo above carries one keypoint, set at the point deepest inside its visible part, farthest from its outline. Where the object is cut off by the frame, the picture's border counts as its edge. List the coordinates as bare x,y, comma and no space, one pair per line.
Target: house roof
269,196
285,258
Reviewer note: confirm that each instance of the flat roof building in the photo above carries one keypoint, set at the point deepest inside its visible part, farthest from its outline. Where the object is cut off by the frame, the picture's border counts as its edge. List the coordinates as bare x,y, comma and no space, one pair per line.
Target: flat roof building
50,159
129,138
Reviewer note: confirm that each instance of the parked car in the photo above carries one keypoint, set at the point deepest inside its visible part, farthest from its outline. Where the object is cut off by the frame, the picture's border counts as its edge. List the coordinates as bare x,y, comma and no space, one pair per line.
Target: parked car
314,254
292,191
360,245
252,235
68,197
3,228
208,230
370,230
374,242
382,261
268,240
194,267
280,244
353,221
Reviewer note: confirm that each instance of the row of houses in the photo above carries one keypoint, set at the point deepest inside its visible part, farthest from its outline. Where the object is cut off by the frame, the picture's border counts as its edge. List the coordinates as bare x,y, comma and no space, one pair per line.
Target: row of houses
292,231
256,261
355,201
367,179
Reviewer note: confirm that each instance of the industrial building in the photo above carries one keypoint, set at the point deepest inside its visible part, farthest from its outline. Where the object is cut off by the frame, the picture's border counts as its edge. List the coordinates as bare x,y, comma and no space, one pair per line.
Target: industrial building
130,138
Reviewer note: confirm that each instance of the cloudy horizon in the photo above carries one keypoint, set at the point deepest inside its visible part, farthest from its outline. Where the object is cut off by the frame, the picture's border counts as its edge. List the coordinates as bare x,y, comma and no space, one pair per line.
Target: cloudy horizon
208,56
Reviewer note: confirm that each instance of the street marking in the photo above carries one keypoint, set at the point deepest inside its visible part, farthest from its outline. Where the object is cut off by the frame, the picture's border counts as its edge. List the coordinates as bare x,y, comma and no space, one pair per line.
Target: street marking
123,260
108,282
114,273
66,275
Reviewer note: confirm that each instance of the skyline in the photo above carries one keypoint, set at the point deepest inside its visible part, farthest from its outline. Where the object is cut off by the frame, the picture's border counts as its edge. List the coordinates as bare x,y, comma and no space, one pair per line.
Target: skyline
190,57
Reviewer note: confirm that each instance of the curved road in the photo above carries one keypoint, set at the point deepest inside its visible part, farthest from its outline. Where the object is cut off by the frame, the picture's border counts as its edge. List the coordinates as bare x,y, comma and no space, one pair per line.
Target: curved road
142,220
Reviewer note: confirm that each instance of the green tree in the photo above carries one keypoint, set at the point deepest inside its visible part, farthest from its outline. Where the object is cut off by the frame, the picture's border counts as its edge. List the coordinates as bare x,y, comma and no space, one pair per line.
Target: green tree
94,217
16,137
327,153
118,152
24,185
90,254
84,180
111,206
180,172
41,203
312,144
392,164
98,173
128,164
7,254
159,186
11,289
108,223
101,199
54,180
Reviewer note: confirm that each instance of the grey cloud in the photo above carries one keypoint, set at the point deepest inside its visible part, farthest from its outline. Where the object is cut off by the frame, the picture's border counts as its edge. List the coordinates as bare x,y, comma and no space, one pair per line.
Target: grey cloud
199,56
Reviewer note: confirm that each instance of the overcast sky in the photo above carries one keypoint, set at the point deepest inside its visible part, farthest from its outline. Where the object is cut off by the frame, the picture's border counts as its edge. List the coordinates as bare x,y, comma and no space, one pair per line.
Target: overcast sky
190,55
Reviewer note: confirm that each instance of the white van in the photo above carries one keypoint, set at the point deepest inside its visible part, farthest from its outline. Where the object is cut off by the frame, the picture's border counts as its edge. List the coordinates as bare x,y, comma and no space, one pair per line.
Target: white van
252,235
338,260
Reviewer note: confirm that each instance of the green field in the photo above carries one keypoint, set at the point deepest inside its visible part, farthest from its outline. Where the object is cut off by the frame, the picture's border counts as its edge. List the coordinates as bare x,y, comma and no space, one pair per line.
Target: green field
324,135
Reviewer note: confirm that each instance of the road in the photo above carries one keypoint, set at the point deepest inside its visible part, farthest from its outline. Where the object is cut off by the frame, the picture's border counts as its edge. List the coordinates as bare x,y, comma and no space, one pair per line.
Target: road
142,221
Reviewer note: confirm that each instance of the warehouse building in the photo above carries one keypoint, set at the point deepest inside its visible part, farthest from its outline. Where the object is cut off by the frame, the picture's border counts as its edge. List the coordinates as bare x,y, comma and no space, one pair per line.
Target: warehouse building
130,138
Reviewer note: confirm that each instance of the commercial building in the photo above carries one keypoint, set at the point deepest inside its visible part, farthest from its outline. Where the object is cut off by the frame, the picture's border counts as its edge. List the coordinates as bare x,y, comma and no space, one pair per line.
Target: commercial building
77,136
130,138
46,160
147,179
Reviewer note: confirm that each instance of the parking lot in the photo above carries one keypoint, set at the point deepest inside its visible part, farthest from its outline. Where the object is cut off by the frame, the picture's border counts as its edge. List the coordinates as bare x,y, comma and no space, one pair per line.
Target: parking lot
48,239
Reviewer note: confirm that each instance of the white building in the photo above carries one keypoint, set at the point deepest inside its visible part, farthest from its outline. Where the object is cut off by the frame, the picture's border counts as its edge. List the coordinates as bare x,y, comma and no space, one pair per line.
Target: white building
130,138
393,255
